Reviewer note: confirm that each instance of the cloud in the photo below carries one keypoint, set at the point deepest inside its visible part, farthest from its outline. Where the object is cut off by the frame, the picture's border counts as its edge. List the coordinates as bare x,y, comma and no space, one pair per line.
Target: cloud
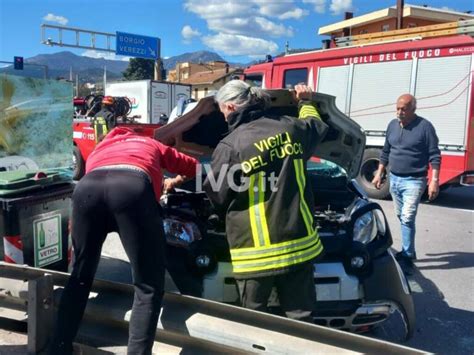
295,13
251,26
319,6
339,6
209,9
246,18
240,45
58,19
246,27
336,6
271,28
105,55
188,33
273,8
282,9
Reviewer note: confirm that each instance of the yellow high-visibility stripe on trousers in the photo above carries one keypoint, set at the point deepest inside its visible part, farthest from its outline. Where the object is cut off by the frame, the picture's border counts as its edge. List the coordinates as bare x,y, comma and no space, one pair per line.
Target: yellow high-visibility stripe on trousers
258,220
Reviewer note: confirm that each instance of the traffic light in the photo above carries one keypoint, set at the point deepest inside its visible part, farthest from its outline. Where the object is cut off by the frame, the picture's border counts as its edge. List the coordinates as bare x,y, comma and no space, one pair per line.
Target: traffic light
18,63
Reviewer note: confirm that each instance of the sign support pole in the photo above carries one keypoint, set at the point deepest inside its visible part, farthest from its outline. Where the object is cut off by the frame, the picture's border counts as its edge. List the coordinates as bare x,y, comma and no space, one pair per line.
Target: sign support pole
157,71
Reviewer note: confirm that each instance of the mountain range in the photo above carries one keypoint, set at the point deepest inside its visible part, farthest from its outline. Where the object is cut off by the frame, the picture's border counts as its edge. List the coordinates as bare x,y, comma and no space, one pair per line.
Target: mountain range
92,69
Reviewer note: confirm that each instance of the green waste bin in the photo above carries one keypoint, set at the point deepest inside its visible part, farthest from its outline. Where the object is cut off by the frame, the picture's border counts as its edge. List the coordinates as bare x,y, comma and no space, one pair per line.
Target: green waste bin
34,221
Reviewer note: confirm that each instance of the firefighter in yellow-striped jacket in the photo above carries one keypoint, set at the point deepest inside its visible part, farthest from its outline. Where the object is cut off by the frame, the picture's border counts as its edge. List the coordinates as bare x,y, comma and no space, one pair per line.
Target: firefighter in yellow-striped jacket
257,179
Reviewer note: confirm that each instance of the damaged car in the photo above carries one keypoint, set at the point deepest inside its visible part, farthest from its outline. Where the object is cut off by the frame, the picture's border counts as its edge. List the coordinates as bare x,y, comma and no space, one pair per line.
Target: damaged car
359,284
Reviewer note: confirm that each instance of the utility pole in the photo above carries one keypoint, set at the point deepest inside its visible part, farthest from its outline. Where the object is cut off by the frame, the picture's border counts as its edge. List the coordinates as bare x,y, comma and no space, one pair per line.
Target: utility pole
400,6
159,70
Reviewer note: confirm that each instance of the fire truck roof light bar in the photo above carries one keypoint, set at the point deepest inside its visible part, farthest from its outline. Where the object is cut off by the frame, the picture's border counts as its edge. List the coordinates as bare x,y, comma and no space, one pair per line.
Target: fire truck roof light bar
93,35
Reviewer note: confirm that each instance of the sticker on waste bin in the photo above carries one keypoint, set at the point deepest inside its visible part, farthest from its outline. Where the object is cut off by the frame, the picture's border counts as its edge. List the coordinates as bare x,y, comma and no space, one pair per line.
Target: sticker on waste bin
47,239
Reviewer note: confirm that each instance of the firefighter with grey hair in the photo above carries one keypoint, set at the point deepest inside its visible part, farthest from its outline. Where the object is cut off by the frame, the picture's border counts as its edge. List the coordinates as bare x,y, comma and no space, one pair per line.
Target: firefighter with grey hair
271,233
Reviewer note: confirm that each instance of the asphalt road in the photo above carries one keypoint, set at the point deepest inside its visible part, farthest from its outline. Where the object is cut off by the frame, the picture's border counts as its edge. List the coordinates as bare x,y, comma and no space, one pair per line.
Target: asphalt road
442,286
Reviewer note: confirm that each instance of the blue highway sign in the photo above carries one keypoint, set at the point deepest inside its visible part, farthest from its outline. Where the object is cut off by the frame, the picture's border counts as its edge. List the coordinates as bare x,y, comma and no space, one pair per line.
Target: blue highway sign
138,46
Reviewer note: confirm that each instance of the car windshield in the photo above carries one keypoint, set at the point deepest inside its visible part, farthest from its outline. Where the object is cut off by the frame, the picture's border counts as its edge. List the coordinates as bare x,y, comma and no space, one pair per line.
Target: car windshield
318,166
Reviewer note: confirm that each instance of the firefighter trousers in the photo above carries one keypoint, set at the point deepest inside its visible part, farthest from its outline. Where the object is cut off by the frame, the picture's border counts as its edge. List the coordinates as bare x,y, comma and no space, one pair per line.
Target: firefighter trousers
296,293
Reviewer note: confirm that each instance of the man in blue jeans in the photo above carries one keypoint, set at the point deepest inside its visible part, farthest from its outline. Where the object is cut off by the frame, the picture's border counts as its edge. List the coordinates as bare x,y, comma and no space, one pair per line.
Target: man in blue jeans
411,144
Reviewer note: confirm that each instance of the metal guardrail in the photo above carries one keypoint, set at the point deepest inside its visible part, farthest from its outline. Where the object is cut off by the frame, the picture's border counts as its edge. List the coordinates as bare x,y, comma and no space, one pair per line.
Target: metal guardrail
214,326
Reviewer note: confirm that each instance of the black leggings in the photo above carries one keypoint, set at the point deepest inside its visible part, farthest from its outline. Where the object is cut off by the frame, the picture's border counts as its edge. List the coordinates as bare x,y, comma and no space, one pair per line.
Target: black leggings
103,200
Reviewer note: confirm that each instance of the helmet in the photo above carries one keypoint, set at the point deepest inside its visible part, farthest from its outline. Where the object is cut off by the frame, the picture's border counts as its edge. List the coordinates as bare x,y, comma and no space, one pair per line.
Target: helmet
108,100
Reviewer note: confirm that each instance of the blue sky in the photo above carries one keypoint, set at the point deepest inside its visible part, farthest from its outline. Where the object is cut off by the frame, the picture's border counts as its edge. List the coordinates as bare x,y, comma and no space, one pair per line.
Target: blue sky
238,30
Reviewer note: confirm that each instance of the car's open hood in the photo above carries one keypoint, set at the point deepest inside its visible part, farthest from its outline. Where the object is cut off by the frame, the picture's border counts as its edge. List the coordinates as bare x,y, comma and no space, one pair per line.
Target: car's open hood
199,131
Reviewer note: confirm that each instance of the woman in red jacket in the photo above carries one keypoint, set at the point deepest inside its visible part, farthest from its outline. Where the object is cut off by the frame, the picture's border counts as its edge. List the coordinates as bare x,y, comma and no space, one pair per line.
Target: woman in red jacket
120,191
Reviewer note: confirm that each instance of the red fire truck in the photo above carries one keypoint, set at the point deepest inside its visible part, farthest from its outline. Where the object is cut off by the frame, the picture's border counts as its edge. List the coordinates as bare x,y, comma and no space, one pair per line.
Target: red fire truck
87,129
367,79
85,133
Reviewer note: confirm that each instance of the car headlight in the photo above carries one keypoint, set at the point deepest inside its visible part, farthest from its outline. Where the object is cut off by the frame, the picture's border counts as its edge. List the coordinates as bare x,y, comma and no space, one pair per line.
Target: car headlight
180,233
366,226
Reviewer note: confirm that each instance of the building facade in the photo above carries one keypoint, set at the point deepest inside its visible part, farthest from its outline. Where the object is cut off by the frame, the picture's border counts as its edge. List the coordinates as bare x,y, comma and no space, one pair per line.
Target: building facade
185,70
386,20
208,82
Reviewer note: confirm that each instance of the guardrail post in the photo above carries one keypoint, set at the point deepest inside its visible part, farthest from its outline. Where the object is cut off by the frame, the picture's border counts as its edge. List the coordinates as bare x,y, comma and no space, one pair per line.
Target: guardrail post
40,313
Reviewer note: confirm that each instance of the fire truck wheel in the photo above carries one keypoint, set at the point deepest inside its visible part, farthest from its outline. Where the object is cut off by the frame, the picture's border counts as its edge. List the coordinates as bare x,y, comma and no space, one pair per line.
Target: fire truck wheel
370,163
78,166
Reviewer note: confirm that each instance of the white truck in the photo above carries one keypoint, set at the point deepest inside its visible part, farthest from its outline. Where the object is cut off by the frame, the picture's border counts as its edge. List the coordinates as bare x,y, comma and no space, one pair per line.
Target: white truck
150,99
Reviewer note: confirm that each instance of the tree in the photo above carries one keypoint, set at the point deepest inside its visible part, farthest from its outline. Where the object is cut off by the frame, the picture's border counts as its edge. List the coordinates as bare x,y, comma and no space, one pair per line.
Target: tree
139,69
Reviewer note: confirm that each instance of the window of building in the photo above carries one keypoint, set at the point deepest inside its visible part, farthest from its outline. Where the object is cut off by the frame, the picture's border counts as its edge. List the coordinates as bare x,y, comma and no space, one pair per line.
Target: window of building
385,27
363,32
205,92
196,93
411,25
293,77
